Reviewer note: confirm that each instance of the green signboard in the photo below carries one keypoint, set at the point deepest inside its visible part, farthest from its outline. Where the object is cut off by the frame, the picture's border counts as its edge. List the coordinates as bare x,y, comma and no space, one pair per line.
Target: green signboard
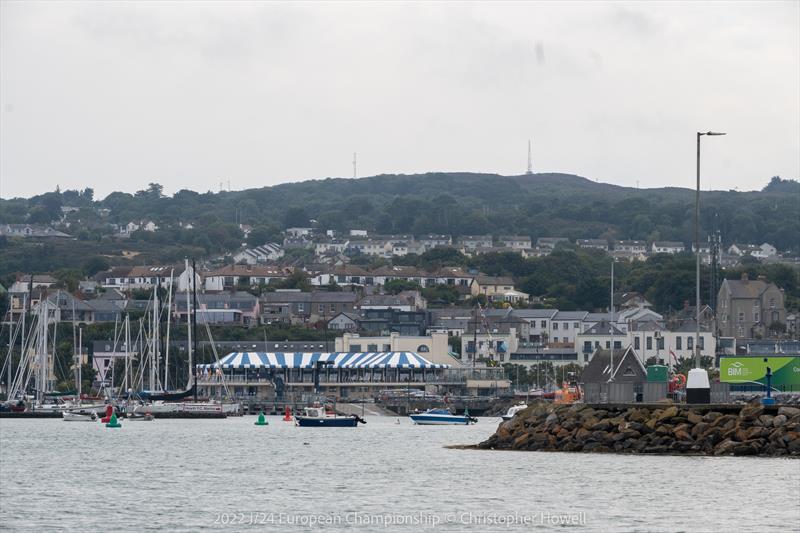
753,369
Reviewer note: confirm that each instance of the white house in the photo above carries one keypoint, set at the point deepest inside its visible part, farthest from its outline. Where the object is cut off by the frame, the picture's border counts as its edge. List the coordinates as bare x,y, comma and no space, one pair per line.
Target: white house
565,325
631,246
516,242
598,244
475,241
764,251
299,232
667,247
261,254
358,233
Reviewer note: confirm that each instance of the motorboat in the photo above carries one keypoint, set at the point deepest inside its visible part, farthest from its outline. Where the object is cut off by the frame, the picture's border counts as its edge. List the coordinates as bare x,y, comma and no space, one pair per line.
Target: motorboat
146,417
79,416
440,417
514,409
317,417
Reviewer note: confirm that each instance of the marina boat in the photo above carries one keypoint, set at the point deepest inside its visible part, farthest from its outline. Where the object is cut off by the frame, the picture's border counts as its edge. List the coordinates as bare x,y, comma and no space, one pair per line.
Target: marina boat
514,409
147,417
77,416
317,417
439,417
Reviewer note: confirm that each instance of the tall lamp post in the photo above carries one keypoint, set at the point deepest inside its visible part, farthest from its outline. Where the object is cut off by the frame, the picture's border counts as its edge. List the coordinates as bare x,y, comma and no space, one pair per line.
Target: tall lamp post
698,389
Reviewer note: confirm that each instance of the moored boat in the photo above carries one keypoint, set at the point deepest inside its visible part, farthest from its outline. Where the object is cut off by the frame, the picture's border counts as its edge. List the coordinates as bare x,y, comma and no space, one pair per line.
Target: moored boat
514,409
440,417
79,416
317,417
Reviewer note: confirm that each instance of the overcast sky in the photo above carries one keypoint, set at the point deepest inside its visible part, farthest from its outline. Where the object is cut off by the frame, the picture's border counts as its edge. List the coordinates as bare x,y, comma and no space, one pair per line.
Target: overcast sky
113,95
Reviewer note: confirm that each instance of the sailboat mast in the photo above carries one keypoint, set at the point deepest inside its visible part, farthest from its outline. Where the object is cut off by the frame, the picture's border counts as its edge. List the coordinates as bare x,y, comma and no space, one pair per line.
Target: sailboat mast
127,350
153,337
189,326
194,323
169,320
80,361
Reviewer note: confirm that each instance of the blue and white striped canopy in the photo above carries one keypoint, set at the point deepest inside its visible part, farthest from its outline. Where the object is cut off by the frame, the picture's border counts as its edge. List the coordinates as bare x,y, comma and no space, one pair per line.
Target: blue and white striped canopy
338,359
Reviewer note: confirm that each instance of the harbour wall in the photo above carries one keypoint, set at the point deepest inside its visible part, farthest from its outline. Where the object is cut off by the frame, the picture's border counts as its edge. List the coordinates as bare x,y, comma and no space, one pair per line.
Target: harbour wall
749,429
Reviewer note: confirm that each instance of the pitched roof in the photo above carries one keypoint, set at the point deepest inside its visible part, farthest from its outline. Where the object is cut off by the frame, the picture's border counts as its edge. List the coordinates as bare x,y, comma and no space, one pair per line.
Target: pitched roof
627,367
249,270
603,328
570,315
535,313
747,288
491,280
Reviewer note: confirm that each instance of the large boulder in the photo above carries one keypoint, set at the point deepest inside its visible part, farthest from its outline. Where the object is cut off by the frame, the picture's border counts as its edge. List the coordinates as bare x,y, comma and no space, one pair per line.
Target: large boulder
788,412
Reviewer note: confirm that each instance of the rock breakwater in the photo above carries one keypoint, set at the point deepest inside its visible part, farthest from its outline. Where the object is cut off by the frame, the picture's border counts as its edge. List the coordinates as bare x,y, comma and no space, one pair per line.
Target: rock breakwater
751,429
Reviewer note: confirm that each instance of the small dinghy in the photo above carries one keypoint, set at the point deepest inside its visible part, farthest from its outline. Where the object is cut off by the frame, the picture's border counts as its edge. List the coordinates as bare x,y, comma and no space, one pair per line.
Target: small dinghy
79,416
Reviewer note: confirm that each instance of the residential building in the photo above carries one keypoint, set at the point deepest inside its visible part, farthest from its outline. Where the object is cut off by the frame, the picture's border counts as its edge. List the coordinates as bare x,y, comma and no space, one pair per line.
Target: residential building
746,308
221,308
670,346
30,231
295,307
667,247
765,251
539,323
496,289
334,246
358,233
232,276
344,322
602,335
516,242
550,242
299,232
385,321
140,277
634,247
490,346
565,325
434,241
743,249
597,244
261,254
475,241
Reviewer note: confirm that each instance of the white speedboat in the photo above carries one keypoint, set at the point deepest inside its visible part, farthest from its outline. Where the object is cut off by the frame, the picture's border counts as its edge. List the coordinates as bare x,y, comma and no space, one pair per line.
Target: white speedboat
79,416
440,417
514,409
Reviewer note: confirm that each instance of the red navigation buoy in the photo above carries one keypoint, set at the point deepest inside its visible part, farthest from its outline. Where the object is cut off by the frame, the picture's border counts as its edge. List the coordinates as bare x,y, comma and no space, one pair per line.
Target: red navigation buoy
109,411
287,416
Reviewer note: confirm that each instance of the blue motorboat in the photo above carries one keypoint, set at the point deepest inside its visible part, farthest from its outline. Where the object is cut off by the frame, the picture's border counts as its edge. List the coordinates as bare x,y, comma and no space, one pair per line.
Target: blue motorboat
439,417
316,417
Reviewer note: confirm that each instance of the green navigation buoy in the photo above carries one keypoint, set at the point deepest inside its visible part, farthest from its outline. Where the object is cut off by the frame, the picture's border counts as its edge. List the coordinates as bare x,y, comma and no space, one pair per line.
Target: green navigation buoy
113,423
262,420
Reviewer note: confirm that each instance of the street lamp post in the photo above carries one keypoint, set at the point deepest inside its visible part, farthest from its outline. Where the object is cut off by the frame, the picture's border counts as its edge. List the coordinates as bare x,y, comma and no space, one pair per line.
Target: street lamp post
698,389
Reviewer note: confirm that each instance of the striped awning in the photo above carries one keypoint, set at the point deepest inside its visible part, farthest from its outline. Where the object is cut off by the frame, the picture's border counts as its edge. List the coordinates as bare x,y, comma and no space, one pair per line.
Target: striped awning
308,360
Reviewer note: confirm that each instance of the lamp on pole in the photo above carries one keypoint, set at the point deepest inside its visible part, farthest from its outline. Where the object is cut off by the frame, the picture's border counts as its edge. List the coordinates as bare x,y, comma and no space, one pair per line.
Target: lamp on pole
698,389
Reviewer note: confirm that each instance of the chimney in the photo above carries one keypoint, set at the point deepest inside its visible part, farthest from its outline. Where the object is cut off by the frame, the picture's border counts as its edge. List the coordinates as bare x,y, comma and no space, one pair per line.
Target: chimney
745,277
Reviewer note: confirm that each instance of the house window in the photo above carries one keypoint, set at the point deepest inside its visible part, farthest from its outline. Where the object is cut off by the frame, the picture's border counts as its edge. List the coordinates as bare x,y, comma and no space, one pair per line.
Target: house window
576,325
756,317
555,326
660,343
566,325
617,345
772,303
740,316
679,343
586,357
423,348
587,346
333,308
387,347
543,324
608,345
301,308
321,308
649,343
555,339
355,347
690,343
372,347
596,344
636,343
702,342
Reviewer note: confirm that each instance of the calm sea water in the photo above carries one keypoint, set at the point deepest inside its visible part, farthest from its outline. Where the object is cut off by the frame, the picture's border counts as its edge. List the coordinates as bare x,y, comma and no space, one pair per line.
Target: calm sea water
190,475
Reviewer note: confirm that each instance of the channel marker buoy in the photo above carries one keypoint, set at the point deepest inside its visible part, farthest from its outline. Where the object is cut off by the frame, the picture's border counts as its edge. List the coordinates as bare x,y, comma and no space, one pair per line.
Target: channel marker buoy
262,420
113,422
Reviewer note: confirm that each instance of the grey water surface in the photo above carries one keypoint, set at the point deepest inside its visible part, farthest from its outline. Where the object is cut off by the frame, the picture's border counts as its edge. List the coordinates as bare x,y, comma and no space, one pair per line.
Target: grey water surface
191,475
